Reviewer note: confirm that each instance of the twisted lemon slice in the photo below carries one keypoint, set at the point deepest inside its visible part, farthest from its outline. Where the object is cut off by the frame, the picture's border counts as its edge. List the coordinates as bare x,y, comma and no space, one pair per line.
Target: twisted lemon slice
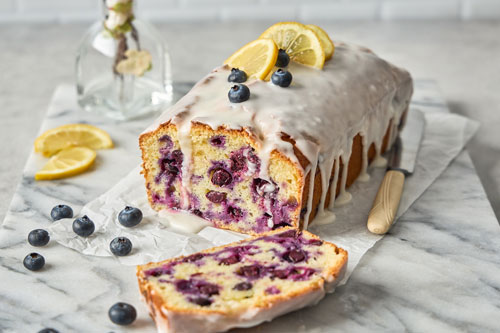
66,163
56,139
300,42
256,58
325,40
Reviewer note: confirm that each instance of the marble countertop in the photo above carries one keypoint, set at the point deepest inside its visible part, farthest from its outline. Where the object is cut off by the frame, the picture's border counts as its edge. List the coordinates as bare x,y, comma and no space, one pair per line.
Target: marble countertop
437,270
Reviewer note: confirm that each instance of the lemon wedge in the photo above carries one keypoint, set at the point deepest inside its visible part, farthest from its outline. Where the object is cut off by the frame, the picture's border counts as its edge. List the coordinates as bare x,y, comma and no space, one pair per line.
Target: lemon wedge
256,58
325,40
300,42
56,139
66,163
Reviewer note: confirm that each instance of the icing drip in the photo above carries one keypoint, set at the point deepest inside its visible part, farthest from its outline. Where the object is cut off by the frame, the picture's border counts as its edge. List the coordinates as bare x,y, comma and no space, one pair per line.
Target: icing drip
322,111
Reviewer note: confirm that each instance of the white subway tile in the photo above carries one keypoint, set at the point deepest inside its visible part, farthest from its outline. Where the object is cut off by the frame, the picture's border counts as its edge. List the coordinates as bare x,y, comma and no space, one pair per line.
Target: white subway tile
420,9
216,3
79,16
260,13
45,17
180,15
7,6
57,5
481,9
155,5
344,10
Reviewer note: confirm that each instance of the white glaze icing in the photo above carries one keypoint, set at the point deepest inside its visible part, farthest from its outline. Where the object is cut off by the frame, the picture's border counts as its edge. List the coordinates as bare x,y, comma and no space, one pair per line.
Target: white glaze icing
182,221
322,111
175,322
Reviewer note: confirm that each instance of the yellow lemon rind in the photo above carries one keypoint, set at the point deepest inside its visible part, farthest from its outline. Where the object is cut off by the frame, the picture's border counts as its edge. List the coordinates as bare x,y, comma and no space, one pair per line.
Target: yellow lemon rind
49,172
236,60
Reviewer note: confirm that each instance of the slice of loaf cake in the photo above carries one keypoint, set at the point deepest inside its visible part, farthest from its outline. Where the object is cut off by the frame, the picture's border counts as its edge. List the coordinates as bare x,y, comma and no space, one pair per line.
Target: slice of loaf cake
241,284
283,156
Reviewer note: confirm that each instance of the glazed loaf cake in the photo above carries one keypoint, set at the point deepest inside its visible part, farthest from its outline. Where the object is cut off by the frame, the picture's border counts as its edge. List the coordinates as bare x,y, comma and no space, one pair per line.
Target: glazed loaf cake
283,156
241,284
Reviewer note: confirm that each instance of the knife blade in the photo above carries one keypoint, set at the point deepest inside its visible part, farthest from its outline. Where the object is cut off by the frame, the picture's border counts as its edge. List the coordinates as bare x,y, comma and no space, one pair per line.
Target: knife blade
401,164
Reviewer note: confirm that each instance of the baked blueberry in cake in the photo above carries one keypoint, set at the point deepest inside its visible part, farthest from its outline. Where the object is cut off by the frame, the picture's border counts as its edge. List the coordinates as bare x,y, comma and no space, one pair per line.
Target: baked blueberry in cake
241,284
287,149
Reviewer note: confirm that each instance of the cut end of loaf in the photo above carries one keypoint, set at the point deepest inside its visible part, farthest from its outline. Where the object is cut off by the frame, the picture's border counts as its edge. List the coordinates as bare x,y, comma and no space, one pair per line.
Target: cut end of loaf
224,187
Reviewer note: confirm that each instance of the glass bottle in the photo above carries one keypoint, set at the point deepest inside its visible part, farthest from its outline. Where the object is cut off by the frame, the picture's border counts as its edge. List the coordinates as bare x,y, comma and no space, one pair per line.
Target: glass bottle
122,65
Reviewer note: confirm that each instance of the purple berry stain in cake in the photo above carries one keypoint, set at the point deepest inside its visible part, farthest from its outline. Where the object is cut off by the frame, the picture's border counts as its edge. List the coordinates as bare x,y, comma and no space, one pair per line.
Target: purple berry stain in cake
197,290
218,141
221,177
159,271
294,256
216,197
272,290
170,164
251,272
277,212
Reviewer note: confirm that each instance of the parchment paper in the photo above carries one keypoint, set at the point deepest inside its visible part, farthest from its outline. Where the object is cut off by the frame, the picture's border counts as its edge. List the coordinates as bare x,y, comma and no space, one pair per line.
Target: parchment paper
153,239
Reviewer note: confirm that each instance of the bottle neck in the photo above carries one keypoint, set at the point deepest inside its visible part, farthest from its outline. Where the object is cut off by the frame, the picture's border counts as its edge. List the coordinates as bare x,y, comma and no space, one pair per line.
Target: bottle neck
119,7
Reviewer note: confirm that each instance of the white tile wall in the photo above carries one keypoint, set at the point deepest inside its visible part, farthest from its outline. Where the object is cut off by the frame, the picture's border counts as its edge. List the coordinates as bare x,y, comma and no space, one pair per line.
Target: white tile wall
245,10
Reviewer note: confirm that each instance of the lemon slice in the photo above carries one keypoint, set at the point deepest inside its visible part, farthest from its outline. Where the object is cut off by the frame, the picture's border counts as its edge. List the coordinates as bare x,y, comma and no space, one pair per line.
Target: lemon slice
56,139
301,43
256,59
66,163
325,40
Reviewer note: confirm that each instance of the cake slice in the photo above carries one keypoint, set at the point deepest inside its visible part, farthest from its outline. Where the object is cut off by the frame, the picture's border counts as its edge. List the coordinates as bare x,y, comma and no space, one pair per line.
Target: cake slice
241,284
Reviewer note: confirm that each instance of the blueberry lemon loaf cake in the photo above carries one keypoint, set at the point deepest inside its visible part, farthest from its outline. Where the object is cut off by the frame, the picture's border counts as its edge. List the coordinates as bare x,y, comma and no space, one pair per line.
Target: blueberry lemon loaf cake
276,135
241,284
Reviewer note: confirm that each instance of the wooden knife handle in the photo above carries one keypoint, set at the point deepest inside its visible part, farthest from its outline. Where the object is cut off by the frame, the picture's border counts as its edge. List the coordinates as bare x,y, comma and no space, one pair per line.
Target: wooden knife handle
386,202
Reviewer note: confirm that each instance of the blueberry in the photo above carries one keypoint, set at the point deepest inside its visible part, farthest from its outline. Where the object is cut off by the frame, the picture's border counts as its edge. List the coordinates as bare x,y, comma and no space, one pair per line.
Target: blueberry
221,177
216,197
251,271
201,300
130,216
230,260
283,58
48,330
83,226
243,286
294,256
218,141
61,212
238,93
120,246
282,78
238,162
38,237
237,76
234,212
34,261
122,313
194,257
209,289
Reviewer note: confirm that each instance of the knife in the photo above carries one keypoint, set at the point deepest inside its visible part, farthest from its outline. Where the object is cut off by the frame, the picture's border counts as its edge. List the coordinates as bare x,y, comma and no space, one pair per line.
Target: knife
401,163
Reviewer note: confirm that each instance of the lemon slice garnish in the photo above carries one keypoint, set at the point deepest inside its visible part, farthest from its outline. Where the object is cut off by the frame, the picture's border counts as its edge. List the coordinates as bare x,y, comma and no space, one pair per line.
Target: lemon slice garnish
56,139
301,43
325,40
256,58
66,163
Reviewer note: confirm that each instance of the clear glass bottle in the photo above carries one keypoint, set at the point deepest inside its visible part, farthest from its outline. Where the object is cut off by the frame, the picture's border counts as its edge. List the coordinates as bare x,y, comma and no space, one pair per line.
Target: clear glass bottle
112,73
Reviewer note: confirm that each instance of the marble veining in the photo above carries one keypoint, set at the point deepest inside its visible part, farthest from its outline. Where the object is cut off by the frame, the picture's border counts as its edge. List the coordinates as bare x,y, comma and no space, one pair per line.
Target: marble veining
438,269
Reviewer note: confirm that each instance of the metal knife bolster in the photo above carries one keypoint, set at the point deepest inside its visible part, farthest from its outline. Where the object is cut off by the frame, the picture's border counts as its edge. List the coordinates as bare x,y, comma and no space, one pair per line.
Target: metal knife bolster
405,149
